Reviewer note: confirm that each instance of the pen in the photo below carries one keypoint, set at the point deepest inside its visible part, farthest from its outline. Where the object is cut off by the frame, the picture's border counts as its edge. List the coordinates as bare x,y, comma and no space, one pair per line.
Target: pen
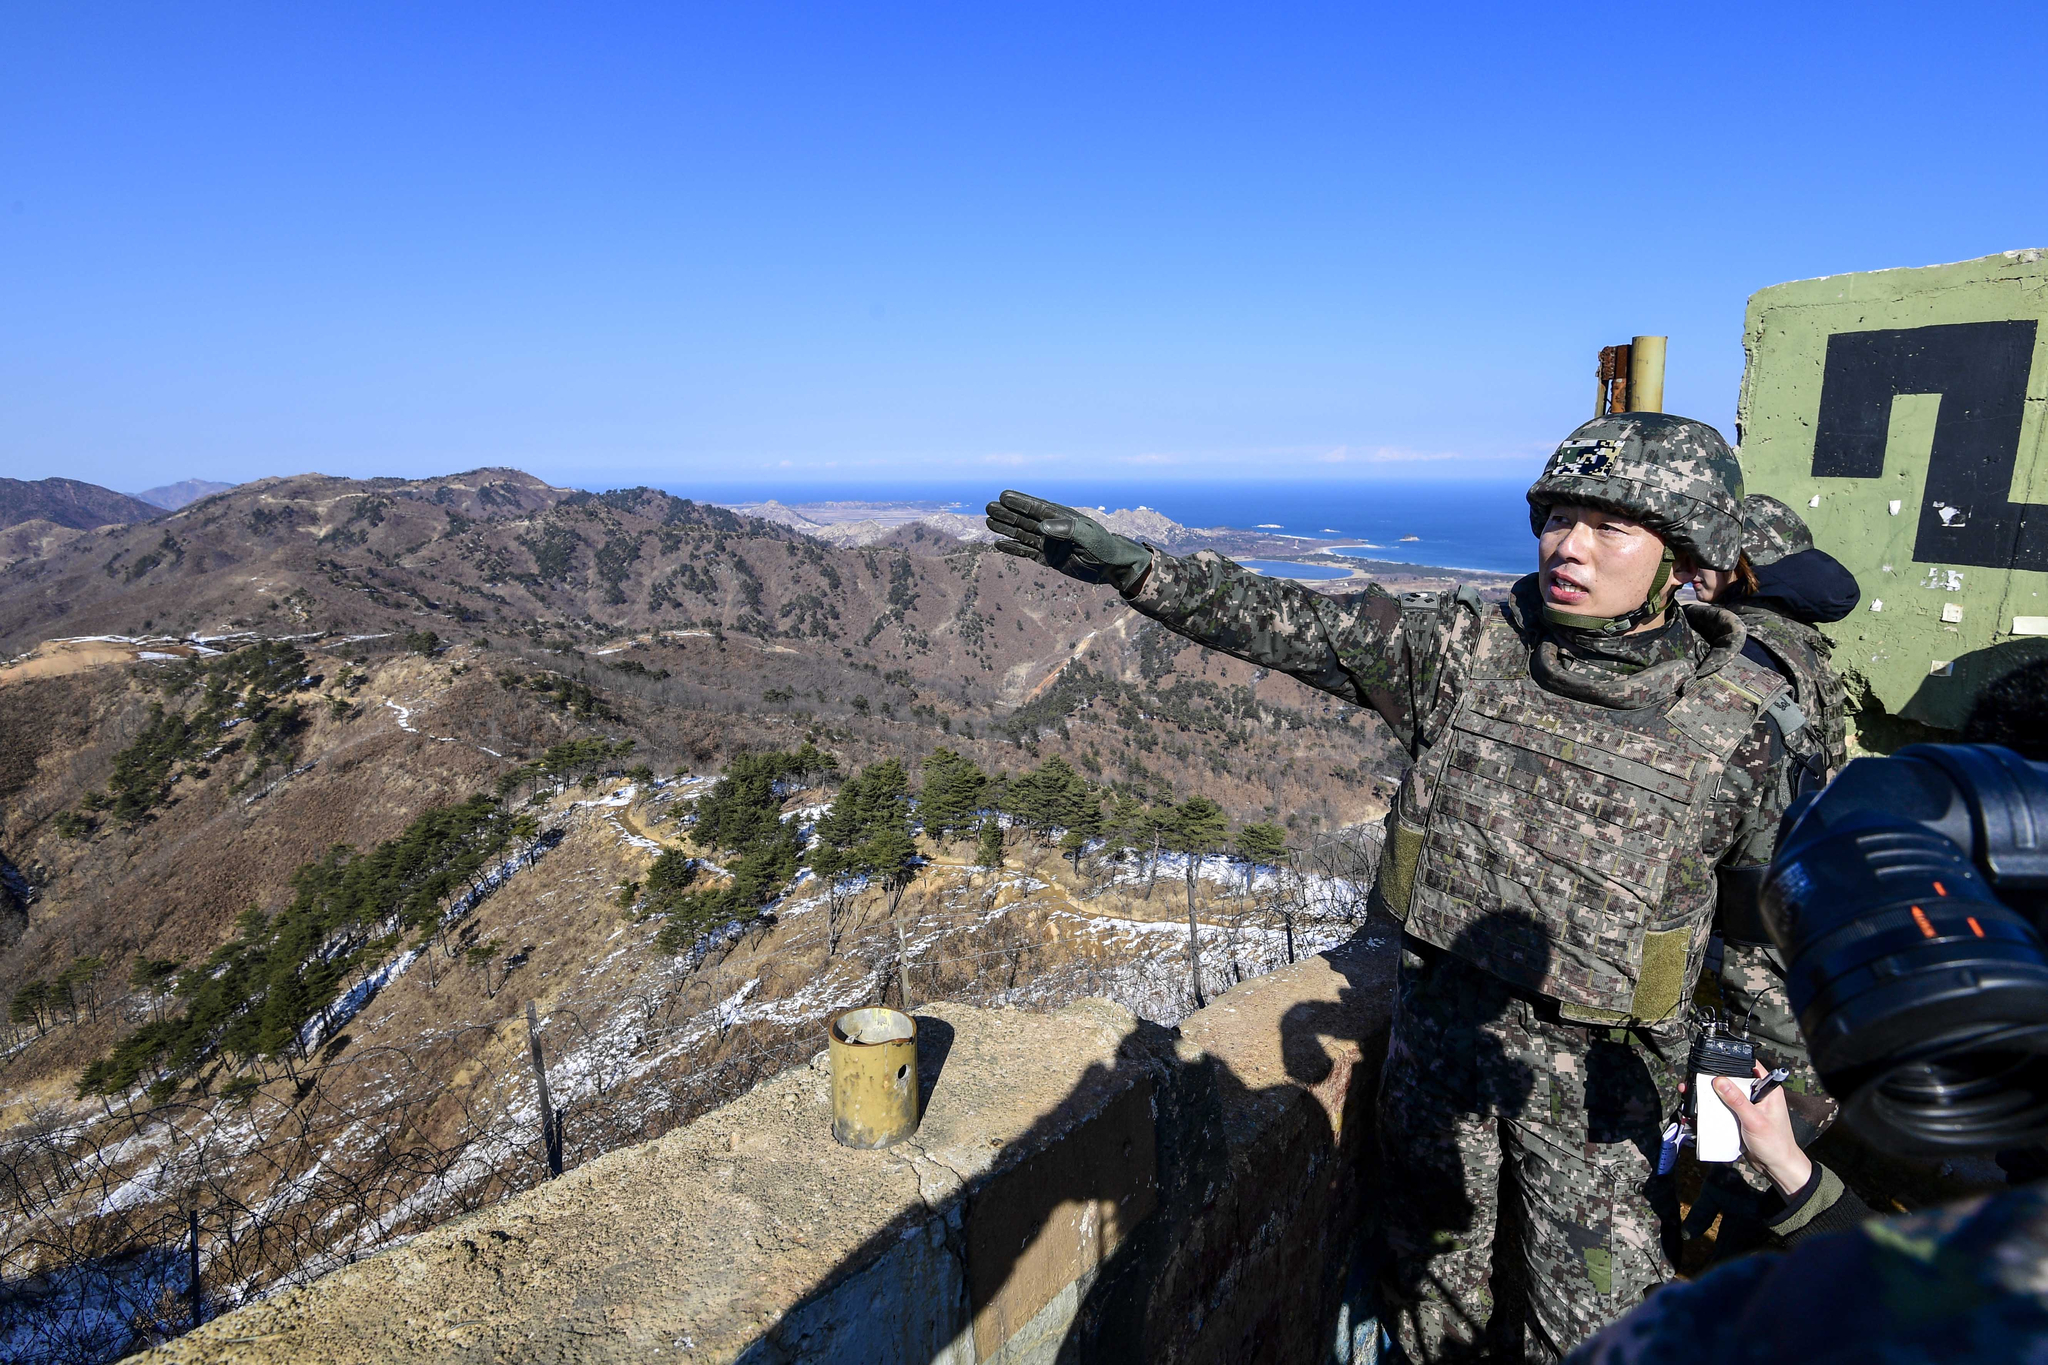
1766,1084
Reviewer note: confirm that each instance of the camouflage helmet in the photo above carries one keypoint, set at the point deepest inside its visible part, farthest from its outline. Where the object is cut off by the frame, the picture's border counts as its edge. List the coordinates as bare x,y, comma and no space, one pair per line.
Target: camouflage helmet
1771,530
1674,475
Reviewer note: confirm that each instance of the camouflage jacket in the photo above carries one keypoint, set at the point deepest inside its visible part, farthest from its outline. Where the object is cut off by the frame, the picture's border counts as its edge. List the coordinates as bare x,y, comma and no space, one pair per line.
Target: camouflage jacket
1413,659
1965,1282
1801,653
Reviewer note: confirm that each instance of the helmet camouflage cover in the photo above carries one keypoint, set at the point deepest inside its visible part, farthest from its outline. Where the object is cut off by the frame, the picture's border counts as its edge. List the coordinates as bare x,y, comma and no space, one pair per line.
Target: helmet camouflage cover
1672,474
1771,530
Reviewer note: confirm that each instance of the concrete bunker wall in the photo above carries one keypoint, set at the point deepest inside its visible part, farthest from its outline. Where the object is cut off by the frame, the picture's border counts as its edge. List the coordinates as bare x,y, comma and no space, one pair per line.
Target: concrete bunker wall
1080,1180
1901,412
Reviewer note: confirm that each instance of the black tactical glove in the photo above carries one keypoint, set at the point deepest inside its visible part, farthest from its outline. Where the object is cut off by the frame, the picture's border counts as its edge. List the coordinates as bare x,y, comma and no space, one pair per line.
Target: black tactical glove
1075,544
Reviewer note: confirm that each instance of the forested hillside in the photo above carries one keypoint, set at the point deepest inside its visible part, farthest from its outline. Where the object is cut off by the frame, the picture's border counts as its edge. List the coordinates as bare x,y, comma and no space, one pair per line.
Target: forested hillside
375,764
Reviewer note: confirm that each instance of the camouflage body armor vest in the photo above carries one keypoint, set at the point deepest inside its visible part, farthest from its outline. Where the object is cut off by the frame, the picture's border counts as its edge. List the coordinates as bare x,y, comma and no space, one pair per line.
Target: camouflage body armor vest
1558,843
1803,653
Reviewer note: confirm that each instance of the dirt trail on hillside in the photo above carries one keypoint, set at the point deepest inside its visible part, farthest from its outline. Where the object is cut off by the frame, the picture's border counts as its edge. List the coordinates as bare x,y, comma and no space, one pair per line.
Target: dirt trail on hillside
55,658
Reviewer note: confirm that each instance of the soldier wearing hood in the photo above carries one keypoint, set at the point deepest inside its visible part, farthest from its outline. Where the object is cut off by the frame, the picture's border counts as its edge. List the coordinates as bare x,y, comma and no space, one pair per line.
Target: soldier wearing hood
1783,589
1586,754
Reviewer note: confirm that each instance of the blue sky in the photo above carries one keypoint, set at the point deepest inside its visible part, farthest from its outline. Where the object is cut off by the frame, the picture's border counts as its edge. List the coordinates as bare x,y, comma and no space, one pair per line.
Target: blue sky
744,244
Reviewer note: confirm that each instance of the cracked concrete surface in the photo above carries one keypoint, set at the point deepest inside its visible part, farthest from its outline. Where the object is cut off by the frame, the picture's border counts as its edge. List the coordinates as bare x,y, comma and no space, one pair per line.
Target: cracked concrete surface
1055,1150
690,1246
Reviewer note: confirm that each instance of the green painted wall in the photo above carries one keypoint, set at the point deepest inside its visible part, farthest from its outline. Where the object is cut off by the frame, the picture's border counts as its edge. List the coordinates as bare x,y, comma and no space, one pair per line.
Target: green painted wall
1901,413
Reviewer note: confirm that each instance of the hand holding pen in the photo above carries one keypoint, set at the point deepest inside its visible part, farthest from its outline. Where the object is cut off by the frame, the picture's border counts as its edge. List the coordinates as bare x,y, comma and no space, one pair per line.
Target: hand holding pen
1766,1085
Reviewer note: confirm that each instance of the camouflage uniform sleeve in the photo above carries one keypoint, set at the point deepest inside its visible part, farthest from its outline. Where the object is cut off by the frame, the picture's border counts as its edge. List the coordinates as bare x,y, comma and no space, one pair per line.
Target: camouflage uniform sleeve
1962,1282
1353,647
1755,790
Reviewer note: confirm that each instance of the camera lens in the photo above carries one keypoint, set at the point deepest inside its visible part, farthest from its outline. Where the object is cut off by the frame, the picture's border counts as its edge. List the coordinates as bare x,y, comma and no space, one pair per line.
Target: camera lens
1980,1096
1923,995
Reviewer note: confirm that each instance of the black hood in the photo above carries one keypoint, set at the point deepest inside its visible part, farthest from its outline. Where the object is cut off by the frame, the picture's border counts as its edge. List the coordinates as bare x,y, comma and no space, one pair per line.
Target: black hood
1811,586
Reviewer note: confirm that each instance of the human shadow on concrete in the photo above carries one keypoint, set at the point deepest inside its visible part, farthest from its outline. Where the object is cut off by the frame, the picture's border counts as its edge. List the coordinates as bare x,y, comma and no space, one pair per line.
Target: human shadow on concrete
934,1045
1257,1250
1944,700
1209,1196
1167,1208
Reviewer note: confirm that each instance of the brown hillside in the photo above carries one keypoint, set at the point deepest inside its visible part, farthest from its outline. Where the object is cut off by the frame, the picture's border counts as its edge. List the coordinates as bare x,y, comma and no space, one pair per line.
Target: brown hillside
456,628
67,502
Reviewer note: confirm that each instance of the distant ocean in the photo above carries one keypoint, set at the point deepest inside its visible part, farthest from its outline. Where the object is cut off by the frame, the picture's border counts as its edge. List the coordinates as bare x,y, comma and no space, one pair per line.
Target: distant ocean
1457,525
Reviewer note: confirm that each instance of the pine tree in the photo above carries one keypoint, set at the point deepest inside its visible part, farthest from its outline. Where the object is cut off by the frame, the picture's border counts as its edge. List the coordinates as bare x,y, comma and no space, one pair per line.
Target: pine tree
481,956
988,850
865,833
1081,810
29,1004
834,867
1198,828
951,795
1158,821
1072,843
874,799
892,854
80,982
1262,845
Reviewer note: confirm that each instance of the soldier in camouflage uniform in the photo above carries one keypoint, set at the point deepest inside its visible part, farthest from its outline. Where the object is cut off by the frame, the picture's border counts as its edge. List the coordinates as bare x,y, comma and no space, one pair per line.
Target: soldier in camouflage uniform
1965,1282
1776,538
1577,779
1780,612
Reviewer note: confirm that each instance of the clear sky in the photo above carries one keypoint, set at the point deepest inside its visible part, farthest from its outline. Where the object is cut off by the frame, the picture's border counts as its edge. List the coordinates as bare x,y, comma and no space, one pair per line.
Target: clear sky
745,243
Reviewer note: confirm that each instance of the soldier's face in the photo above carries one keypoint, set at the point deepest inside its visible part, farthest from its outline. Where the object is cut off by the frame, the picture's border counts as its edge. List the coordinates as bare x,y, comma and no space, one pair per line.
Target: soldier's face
1596,563
1709,584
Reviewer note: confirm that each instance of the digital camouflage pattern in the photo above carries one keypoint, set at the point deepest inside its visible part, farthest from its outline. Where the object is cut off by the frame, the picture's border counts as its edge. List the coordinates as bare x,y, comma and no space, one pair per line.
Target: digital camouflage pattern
1559,836
1803,656
1674,475
1478,1076
1355,648
1752,975
1752,985
1771,530
1411,661
1416,668
1964,1283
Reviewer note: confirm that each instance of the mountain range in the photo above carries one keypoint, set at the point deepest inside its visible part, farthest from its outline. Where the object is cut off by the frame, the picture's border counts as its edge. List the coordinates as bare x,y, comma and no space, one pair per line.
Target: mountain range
214,717
172,496
70,504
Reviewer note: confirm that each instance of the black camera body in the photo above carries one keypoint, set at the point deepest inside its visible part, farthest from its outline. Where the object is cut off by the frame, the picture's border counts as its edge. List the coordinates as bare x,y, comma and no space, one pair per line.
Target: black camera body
1908,899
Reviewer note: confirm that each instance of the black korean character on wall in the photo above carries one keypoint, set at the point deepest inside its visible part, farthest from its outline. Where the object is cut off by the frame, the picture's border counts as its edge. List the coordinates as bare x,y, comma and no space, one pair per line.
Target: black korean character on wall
1980,370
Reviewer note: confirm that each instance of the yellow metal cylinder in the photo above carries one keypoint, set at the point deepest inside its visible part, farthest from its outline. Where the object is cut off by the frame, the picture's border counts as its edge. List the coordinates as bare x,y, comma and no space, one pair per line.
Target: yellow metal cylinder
874,1077
1646,374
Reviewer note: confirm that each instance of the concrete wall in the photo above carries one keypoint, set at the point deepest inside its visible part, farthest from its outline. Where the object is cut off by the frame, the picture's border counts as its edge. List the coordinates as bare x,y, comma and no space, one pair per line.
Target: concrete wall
1082,1186
1900,412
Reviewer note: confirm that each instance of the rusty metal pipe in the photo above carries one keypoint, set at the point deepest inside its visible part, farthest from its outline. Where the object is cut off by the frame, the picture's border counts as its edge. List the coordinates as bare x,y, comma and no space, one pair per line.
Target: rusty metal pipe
1613,374
874,1077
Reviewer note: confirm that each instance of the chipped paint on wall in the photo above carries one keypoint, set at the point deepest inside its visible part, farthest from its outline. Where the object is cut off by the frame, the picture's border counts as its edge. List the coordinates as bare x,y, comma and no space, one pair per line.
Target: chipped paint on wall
1904,409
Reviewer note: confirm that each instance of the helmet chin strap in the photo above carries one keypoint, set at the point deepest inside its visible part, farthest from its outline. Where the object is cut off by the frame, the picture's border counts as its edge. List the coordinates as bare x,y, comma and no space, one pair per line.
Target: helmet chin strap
1650,610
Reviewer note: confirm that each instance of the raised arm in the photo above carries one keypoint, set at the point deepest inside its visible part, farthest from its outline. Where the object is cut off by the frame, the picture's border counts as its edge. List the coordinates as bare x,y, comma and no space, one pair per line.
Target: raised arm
1353,647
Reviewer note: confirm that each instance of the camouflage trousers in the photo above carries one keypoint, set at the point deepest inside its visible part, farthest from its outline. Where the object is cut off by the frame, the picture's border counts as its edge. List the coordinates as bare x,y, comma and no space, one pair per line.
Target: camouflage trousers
1752,983
1519,1153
